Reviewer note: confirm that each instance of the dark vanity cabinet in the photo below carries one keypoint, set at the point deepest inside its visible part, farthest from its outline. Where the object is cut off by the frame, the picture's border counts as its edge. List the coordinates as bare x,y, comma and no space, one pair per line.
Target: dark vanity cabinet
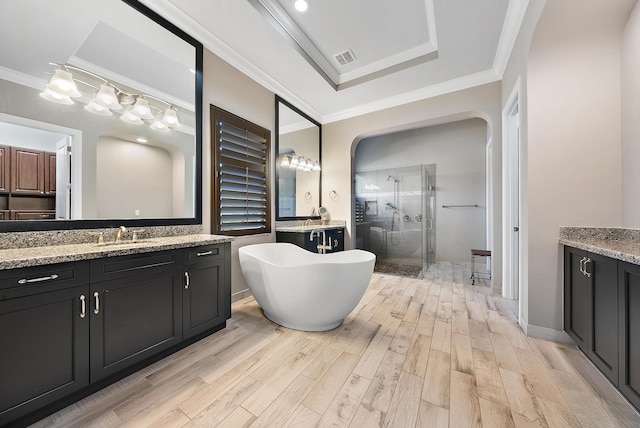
601,301
44,335
334,238
206,296
135,309
69,329
629,280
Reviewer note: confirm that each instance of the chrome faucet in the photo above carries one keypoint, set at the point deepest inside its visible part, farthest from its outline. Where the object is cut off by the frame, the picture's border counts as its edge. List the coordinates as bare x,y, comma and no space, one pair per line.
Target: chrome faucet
119,233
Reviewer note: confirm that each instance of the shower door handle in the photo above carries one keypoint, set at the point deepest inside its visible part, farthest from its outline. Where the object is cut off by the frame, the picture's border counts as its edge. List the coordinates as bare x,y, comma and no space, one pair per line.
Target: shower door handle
430,223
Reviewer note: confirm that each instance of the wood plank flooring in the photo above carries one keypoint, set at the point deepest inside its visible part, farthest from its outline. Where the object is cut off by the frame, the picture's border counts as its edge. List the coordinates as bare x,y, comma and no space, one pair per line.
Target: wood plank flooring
436,352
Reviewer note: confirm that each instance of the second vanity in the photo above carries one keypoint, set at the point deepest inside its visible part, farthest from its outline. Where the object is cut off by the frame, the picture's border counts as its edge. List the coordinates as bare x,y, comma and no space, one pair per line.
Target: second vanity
602,301
75,318
310,235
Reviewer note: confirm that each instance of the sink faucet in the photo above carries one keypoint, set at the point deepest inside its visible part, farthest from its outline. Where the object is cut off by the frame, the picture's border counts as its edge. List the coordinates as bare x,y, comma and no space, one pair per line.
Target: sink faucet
119,233
322,248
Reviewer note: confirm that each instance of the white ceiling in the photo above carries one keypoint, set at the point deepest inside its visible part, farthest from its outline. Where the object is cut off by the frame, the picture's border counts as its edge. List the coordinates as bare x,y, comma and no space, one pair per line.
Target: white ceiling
405,50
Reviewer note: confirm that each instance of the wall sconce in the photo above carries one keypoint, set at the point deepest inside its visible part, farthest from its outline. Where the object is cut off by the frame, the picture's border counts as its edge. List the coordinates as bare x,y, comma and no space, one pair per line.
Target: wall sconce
108,99
300,163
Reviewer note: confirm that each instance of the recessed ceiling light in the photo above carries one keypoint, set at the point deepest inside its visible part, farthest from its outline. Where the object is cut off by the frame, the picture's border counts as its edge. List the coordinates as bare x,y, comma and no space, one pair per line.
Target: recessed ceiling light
301,5
141,140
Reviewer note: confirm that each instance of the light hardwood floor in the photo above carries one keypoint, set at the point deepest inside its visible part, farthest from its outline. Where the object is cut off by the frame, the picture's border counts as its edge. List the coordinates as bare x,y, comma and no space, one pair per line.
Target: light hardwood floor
436,352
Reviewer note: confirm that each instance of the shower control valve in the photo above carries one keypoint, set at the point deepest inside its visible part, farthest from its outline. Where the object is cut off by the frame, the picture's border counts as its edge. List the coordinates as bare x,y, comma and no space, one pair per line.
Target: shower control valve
418,217
406,218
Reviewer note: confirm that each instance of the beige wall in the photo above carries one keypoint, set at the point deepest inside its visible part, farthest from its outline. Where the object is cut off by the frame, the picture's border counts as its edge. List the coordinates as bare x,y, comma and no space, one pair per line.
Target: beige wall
340,138
231,90
458,151
631,122
515,79
573,137
141,170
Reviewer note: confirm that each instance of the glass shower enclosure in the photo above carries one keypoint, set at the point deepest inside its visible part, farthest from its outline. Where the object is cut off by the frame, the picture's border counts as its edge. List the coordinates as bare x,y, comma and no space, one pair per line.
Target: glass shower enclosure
395,218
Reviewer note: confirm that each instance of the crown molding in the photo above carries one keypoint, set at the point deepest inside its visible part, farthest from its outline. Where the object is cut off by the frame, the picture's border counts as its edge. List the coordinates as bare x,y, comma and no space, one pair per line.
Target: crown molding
513,20
516,11
454,85
22,78
218,47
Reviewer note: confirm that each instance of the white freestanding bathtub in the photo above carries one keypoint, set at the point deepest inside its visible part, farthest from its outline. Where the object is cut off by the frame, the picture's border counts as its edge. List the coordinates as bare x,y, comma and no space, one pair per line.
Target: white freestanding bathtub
303,290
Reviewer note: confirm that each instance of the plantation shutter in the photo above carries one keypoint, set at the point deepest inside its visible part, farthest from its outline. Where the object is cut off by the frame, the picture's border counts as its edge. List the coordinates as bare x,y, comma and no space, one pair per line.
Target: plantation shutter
242,176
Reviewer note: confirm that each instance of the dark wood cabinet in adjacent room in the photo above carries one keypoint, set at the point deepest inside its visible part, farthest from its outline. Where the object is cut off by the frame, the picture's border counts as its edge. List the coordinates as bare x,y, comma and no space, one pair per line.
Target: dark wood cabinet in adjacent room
49,173
27,184
5,169
27,171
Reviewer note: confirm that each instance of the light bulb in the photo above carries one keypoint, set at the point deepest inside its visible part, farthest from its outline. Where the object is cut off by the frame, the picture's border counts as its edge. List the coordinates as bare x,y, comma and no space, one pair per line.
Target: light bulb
301,5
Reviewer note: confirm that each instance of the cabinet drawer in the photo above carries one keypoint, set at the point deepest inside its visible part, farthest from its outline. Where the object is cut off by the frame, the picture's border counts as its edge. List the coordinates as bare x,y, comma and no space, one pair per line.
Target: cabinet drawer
39,279
136,264
203,254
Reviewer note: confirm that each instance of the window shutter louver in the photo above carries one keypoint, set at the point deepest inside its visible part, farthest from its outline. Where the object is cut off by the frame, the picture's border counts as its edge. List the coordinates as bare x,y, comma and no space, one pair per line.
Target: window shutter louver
241,153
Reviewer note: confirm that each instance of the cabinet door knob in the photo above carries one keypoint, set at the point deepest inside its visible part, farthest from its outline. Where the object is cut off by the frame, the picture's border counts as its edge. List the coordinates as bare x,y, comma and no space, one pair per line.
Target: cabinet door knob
186,280
96,296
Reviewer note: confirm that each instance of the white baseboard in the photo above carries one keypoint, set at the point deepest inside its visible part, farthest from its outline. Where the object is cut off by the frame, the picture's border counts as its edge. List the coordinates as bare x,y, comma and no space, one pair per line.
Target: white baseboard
240,295
545,333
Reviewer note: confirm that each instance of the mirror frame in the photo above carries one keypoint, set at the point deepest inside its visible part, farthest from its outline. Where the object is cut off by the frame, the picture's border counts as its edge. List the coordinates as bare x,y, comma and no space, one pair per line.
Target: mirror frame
280,101
40,225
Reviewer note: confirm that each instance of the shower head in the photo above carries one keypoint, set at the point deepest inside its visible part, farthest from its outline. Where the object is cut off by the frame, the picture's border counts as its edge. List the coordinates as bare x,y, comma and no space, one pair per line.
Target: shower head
389,178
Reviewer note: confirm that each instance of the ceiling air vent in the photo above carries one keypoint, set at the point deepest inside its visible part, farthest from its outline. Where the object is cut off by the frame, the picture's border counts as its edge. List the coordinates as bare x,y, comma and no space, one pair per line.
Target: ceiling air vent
345,57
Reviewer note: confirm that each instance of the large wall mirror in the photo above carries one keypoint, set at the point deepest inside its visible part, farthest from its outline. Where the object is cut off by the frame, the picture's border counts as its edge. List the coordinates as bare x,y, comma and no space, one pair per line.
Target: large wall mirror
100,117
298,142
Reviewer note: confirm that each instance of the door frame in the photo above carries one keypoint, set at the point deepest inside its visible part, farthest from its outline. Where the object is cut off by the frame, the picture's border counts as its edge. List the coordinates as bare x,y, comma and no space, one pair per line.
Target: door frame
512,195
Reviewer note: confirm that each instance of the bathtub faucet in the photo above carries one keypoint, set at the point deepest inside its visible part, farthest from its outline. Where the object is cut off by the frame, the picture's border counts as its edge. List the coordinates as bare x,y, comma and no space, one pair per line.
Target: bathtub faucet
322,248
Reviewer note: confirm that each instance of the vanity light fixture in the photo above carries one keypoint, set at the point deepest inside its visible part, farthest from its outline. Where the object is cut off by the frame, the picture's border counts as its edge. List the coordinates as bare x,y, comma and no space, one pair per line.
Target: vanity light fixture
51,95
130,117
301,5
300,163
141,109
94,107
109,98
62,84
158,124
170,118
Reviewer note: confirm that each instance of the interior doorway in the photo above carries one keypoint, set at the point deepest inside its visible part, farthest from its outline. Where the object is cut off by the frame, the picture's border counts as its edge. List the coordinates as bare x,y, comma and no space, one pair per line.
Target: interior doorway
511,196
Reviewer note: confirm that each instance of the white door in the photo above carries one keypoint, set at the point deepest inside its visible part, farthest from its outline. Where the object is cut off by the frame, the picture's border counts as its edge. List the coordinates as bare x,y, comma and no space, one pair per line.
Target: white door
511,198
63,179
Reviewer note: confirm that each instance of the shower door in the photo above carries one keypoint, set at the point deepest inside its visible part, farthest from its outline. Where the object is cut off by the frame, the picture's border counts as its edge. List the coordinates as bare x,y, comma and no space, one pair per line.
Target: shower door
398,208
429,215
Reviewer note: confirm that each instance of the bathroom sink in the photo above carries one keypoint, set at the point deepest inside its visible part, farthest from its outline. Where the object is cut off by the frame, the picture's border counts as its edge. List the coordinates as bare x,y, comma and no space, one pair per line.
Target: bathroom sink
125,242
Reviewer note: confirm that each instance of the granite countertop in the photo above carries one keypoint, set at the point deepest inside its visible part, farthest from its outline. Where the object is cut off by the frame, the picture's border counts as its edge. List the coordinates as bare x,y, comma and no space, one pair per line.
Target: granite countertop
617,243
295,226
36,256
